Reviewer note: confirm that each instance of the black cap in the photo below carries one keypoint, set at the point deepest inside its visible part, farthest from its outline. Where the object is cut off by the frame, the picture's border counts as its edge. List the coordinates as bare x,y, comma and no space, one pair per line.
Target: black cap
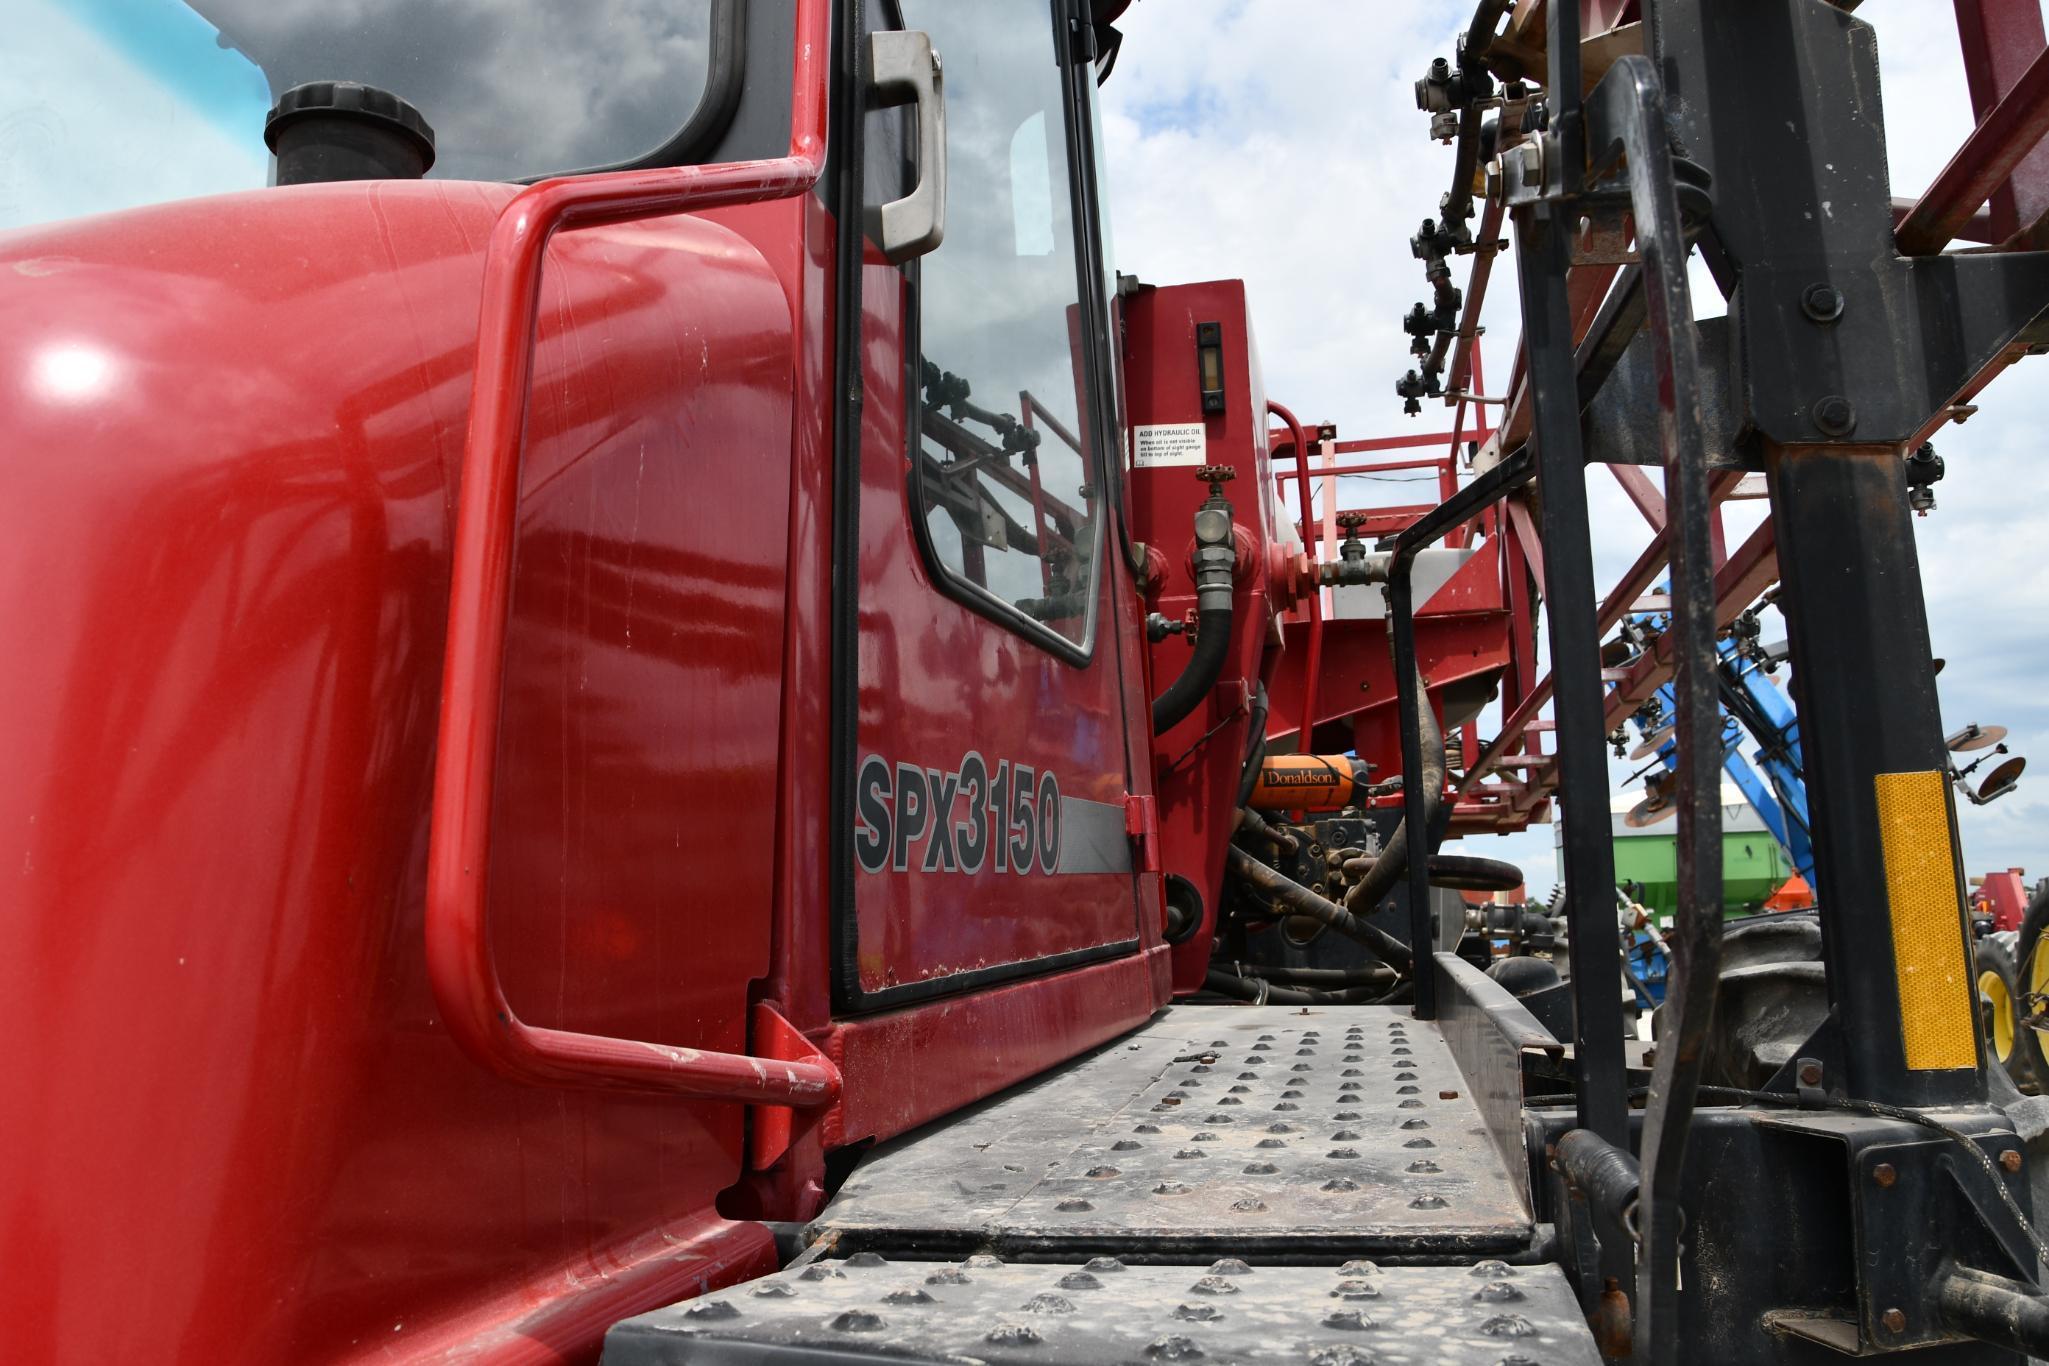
344,130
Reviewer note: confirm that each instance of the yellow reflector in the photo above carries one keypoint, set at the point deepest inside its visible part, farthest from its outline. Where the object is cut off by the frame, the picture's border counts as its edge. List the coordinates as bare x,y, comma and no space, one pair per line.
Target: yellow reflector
1927,921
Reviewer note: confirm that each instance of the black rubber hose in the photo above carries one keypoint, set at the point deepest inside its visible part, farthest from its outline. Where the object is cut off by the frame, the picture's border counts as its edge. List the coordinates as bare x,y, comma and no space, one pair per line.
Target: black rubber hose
1255,752
1250,822
1292,898
1387,869
1323,978
1265,993
1212,643
1607,1175
1457,872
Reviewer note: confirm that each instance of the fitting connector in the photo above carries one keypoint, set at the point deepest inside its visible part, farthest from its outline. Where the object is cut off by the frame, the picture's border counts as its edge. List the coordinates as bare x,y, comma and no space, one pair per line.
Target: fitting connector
1216,553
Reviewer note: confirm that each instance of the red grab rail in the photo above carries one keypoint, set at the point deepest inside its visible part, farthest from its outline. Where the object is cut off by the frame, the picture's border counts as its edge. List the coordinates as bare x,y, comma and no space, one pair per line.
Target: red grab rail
1313,665
459,959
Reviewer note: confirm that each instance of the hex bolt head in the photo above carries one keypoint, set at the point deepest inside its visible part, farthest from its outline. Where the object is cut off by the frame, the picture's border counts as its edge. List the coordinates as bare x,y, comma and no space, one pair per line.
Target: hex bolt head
1884,1175
1810,1074
1893,1321
1822,302
1835,415
2011,1159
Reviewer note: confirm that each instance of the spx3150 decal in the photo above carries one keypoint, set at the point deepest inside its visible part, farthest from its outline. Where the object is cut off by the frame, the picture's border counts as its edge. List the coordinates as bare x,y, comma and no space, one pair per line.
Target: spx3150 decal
909,818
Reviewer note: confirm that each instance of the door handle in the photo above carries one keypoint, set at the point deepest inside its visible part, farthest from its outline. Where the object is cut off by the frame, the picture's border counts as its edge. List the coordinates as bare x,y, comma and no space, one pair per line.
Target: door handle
903,67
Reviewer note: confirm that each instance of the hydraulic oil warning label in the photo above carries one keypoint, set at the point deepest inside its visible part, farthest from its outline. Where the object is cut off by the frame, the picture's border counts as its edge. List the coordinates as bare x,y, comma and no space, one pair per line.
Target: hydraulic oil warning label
1174,443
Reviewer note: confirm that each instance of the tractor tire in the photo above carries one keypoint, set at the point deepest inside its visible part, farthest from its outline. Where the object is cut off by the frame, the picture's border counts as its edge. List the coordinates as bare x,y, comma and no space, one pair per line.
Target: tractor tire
2031,979
2000,1009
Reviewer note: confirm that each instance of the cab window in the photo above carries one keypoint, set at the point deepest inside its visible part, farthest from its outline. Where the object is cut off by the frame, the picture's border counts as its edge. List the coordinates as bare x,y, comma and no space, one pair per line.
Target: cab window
1003,462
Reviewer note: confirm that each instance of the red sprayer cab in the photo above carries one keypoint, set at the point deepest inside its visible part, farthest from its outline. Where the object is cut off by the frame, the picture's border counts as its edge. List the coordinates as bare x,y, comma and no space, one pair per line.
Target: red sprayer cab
541,722
537,716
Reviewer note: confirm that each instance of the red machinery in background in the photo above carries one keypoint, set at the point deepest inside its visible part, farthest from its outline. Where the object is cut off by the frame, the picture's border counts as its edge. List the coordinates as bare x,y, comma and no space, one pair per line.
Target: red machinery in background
2001,898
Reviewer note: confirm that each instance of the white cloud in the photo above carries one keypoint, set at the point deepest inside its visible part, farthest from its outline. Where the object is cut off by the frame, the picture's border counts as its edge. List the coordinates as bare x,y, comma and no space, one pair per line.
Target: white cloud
1281,145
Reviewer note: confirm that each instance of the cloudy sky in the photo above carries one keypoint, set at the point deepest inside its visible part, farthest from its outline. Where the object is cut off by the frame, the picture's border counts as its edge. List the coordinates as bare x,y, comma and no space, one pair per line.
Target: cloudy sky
1281,145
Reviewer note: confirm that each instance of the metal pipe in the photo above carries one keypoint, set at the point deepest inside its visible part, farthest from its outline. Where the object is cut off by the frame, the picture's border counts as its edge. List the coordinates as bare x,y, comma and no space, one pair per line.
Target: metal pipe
1292,897
1423,796
1994,1310
1425,757
1544,235
1458,204
1353,573
460,964
2000,142
1627,113
1312,663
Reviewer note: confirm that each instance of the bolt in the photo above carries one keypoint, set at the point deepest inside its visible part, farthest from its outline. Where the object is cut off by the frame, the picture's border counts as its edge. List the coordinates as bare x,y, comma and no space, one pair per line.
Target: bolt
1893,1321
2011,1159
1884,1175
1835,415
1810,1074
1822,302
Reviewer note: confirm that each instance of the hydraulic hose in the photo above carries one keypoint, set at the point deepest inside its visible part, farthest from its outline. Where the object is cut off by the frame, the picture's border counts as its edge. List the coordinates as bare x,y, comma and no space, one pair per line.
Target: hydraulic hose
1261,992
1215,562
1255,751
1607,1175
1322,978
1199,675
1250,822
1457,872
1378,879
1291,896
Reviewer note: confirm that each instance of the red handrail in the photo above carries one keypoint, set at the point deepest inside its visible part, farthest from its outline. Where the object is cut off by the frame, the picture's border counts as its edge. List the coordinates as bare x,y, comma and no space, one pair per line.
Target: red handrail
1313,661
459,959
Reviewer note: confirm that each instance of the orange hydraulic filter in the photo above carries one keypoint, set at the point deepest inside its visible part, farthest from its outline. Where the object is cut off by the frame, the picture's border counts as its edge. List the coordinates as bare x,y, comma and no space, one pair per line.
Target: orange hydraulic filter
1307,782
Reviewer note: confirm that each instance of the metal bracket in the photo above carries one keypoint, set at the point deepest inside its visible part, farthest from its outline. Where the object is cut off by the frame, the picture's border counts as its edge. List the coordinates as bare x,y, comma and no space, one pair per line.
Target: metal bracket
1915,1211
775,1127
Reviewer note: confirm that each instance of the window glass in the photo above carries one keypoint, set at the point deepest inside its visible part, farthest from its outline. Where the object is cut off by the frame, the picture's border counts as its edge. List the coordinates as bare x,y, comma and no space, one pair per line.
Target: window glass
1003,466
107,104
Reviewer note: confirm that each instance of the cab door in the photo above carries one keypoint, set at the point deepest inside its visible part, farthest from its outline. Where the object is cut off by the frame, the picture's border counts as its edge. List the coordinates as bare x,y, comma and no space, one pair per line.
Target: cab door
984,684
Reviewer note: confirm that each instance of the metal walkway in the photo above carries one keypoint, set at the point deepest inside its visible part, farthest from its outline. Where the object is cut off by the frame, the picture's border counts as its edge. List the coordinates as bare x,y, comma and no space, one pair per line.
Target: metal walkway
1214,1187
870,1309
1212,1131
